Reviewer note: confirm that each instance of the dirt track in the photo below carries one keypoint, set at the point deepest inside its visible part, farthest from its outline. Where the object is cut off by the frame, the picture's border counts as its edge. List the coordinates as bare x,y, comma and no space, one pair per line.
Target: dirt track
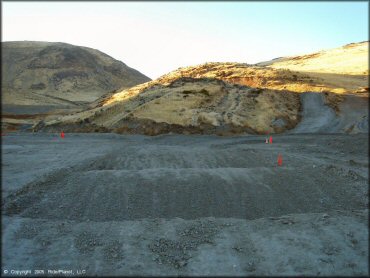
186,205
316,115
319,117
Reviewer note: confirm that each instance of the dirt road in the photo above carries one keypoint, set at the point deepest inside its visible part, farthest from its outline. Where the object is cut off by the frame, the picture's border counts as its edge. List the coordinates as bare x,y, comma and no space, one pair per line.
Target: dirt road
316,116
186,205
353,115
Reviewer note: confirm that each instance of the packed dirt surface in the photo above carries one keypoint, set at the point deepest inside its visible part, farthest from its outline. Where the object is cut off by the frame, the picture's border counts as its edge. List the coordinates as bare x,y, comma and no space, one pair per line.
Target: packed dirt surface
316,115
352,115
114,204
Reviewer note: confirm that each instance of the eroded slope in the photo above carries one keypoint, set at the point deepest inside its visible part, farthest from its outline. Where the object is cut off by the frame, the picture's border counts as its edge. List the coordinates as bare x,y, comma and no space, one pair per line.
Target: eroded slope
219,98
189,105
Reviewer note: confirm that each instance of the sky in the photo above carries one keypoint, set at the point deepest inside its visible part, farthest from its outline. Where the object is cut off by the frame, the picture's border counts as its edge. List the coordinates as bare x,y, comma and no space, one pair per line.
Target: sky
158,37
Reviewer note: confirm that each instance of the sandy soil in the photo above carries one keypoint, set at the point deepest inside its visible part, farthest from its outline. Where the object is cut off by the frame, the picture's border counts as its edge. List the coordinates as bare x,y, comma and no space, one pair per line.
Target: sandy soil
186,205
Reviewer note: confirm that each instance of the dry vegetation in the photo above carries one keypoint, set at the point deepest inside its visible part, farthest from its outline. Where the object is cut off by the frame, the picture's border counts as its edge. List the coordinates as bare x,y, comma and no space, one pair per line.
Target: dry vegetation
194,105
43,73
344,69
345,60
219,98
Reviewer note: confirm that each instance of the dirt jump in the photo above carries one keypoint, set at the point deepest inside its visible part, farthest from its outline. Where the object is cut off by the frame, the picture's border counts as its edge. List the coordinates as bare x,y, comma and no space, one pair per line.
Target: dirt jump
110,204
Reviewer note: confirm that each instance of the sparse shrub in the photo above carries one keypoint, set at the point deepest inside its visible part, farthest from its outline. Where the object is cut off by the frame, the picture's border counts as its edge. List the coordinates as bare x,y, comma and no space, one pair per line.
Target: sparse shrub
204,92
39,86
68,73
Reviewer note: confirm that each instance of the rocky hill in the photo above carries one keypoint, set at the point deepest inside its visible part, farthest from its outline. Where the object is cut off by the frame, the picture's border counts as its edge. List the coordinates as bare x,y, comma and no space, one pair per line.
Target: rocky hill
215,98
38,75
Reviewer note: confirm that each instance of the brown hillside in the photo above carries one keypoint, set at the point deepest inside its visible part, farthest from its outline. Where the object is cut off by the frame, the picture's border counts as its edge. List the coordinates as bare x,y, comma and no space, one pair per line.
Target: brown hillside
60,74
217,98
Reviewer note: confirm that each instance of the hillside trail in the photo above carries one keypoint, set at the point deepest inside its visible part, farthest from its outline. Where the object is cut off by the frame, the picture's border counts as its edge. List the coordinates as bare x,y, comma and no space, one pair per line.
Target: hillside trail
317,117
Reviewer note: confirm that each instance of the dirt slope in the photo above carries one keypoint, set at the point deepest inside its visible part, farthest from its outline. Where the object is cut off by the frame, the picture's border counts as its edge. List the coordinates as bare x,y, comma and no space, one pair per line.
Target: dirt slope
190,105
221,98
318,117
59,74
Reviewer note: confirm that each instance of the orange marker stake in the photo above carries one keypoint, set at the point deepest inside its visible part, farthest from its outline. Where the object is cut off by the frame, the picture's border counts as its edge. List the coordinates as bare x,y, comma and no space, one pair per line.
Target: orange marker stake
280,160
62,134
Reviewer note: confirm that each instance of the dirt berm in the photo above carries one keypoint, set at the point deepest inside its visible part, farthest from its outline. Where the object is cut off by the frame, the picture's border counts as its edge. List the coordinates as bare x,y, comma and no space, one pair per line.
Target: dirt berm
111,204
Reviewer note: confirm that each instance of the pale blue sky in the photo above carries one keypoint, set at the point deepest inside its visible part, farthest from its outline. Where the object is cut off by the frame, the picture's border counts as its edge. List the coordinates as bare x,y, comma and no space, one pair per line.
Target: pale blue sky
157,37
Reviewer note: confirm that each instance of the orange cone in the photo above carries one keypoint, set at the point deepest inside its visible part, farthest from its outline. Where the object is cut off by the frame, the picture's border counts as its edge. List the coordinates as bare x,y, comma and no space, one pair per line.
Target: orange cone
62,134
270,139
280,160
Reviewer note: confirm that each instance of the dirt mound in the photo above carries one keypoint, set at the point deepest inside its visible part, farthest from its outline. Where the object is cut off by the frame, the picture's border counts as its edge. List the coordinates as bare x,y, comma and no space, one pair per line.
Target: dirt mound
189,105
180,205
193,177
